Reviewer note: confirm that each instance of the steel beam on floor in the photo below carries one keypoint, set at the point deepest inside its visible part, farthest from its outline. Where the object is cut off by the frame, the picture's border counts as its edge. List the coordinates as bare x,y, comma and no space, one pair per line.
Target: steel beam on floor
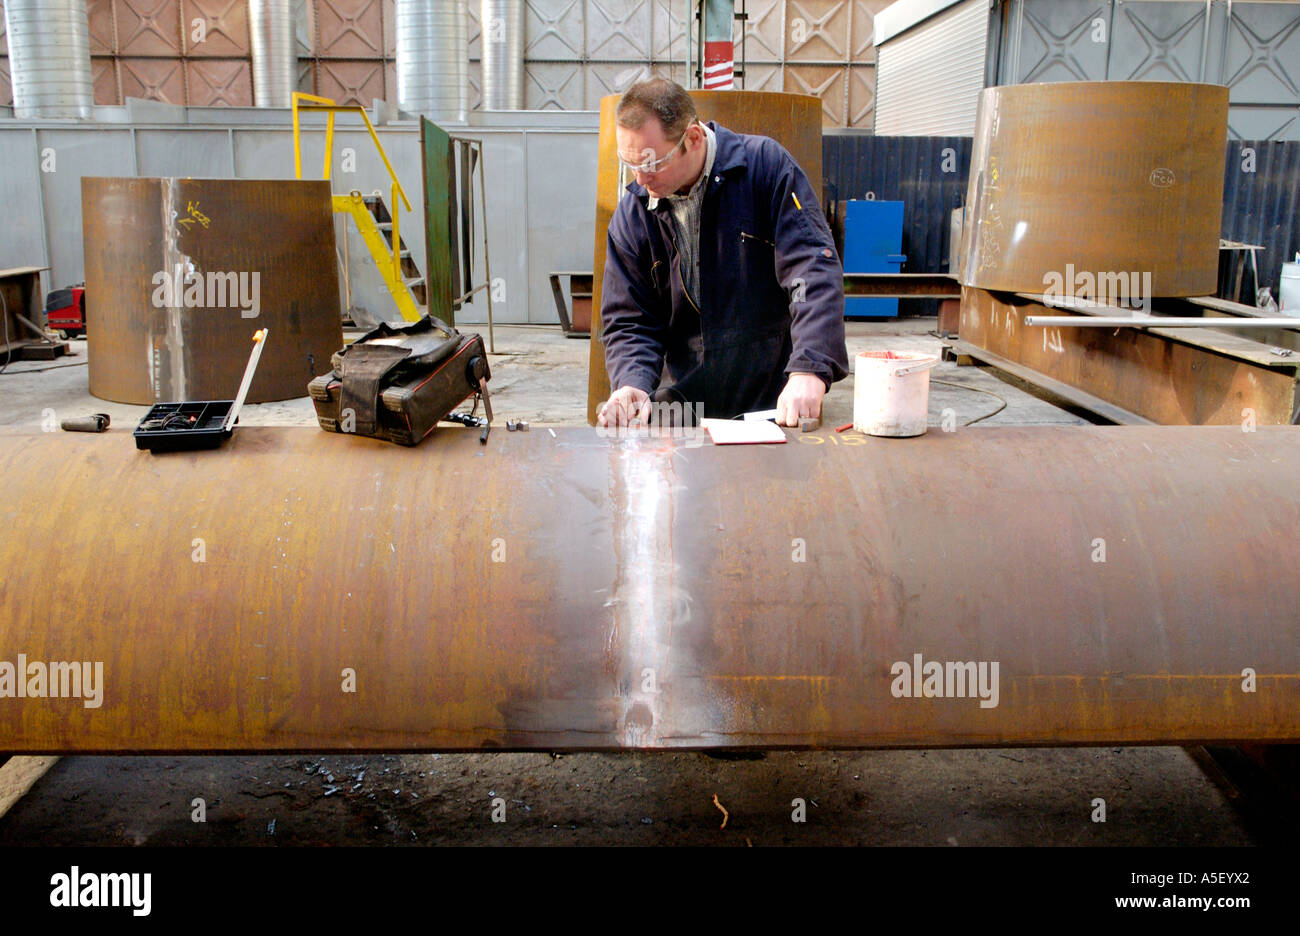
1168,376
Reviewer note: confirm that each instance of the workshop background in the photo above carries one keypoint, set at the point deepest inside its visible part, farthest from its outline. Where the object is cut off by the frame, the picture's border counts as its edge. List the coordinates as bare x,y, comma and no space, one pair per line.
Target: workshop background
163,105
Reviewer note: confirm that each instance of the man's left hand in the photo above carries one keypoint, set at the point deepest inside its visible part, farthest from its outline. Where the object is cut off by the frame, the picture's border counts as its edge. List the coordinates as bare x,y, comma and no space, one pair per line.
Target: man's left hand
801,398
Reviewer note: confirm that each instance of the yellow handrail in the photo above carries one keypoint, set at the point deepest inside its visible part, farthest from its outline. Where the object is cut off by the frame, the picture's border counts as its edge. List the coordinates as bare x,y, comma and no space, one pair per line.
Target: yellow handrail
312,102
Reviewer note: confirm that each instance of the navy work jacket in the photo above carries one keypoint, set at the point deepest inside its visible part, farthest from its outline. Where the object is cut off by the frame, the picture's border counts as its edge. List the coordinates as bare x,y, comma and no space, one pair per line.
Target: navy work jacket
771,286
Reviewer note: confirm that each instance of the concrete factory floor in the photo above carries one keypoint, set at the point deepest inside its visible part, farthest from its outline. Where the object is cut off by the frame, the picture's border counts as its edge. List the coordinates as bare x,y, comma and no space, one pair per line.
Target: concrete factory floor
539,376
1154,796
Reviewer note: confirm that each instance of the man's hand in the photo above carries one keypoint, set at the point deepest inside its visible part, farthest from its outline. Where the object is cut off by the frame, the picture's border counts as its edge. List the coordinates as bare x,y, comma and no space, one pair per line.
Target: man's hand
624,405
802,397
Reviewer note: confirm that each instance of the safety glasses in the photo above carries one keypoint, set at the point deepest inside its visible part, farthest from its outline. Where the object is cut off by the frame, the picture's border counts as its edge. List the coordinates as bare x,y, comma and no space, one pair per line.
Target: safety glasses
650,166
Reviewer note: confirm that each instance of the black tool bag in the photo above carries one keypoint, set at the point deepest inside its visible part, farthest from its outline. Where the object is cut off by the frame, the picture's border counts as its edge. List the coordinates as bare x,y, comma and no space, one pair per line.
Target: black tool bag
397,381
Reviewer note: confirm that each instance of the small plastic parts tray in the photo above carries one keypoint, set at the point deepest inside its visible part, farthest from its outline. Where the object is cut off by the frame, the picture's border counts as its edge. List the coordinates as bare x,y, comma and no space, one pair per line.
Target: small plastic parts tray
201,425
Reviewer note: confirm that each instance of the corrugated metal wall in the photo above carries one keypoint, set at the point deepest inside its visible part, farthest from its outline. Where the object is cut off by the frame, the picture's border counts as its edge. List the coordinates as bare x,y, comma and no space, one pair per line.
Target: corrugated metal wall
928,174
1261,201
929,78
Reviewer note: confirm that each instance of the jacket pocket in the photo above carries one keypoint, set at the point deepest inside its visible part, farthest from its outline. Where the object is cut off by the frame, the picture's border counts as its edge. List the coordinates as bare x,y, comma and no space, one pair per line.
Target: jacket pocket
755,278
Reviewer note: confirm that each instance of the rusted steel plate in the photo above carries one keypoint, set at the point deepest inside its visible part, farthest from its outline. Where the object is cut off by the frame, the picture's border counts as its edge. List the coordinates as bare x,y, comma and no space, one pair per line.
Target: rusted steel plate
1080,173
793,120
1163,375
576,593
248,254
902,285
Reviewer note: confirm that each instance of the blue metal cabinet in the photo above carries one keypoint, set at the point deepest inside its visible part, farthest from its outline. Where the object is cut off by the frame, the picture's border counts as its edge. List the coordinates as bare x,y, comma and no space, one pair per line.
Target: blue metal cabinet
873,237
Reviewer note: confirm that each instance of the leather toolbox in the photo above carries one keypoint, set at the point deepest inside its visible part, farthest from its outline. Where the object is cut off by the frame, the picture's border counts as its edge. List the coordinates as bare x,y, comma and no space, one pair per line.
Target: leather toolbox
397,381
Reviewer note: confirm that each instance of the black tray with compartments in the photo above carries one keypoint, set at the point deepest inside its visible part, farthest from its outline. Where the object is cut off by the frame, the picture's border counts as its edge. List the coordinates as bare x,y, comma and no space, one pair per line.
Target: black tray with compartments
179,427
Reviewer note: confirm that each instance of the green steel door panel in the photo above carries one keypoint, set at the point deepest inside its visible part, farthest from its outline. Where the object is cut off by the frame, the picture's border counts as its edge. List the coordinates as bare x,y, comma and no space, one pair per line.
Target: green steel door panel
436,155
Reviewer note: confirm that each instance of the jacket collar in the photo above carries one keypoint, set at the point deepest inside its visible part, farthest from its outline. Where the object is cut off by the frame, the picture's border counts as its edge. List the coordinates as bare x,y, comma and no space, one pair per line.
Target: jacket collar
731,150
730,155
702,182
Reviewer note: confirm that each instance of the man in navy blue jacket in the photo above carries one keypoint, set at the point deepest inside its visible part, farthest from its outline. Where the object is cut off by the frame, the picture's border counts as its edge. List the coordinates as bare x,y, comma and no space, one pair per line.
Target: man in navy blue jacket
722,284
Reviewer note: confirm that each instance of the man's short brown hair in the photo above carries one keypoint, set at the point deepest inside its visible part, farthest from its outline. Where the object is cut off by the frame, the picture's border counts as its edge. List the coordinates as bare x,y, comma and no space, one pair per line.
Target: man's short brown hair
666,101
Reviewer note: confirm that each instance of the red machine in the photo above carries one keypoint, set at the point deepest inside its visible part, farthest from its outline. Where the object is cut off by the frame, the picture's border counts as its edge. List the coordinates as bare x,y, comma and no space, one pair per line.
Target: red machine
65,310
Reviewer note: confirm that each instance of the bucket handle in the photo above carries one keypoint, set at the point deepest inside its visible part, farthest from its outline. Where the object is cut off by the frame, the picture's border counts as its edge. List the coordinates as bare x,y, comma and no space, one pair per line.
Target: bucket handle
915,368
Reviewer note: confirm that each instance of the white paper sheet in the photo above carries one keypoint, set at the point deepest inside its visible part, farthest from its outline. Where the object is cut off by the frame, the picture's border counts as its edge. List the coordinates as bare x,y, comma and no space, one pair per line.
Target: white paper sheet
742,432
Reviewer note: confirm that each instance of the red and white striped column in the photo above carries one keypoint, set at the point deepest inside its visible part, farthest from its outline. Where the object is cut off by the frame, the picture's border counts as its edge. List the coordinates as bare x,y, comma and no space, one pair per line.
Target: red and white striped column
719,50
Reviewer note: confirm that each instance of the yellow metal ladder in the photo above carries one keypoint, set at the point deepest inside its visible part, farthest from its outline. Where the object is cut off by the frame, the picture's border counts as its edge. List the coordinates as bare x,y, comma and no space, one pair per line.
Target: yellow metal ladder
387,256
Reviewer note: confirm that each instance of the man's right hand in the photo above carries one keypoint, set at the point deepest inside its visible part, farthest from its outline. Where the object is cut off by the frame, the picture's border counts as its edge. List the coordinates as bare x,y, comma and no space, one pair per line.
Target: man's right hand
623,406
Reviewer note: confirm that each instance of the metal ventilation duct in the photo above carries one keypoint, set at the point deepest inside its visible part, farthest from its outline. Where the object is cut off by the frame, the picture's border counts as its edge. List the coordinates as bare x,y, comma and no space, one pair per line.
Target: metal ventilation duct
275,60
49,56
503,54
433,58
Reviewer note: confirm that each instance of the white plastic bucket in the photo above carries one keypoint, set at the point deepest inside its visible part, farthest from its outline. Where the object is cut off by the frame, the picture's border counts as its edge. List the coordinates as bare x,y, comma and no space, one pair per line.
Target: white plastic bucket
1288,294
891,392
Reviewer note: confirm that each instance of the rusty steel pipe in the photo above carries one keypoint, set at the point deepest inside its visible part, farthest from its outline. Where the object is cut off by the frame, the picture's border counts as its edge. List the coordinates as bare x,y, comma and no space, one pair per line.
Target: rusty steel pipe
1072,176
570,592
